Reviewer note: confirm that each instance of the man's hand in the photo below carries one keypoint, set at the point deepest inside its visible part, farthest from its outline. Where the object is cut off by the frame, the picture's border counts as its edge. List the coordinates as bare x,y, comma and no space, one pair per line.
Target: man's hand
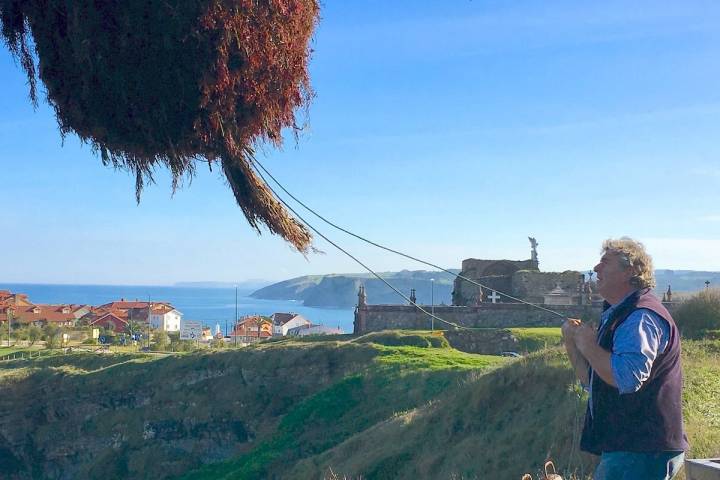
584,336
598,358
569,328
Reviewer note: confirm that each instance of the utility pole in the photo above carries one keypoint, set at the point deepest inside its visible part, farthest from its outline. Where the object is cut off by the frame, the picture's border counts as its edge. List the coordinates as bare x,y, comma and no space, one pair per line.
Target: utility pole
432,304
9,320
148,322
236,316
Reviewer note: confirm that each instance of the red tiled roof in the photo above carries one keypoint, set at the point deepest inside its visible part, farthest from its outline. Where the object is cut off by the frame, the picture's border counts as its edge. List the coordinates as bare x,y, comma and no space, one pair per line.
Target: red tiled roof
110,318
124,305
41,313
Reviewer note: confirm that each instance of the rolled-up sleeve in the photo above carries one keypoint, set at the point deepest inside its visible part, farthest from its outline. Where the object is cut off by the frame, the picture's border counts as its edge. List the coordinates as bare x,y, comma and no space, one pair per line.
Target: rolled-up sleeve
636,344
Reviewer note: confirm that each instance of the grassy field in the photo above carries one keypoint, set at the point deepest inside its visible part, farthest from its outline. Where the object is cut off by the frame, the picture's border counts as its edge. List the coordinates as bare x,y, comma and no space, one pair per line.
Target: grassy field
400,405
471,416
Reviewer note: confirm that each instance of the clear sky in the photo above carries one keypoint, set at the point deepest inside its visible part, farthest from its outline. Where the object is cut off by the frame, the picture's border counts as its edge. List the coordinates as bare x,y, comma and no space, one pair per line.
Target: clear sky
445,129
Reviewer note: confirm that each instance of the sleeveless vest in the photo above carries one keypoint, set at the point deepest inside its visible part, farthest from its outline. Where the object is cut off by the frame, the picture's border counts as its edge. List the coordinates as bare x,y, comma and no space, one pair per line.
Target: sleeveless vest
649,420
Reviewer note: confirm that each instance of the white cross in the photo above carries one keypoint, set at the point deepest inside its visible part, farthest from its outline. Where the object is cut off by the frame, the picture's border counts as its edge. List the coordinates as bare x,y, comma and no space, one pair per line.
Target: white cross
494,296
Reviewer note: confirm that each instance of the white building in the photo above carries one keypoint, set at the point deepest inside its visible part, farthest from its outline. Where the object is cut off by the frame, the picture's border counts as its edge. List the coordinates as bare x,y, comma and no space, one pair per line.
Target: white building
283,322
164,317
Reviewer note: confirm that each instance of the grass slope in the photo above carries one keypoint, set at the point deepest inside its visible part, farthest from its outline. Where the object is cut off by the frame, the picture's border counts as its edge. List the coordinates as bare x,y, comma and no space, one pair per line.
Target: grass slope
410,370
385,405
422,410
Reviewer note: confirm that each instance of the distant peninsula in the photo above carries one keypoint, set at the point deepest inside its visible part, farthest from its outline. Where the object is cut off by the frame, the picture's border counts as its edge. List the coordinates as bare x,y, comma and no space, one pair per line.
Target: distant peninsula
340,290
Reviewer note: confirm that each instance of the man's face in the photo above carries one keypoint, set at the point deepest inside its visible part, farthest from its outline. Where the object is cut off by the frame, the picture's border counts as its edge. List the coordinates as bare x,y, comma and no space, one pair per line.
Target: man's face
613,278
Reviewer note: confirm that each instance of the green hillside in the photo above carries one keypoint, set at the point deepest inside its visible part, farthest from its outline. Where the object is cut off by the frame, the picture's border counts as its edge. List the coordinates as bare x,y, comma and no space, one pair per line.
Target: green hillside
384,405
340,291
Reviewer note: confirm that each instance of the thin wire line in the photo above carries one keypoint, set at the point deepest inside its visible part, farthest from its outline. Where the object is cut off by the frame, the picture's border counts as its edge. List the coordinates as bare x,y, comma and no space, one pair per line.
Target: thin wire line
431,315
359,237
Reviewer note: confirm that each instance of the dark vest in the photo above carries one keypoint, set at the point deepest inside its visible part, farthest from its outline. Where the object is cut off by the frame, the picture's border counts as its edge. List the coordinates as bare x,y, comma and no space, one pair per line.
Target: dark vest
649,420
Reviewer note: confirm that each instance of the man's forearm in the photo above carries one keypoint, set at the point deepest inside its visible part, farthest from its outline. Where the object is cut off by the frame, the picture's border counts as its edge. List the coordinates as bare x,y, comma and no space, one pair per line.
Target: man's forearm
599,360
580,365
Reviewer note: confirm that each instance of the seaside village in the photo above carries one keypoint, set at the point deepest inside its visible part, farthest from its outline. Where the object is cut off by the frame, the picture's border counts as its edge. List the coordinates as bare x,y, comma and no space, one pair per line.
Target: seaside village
125,322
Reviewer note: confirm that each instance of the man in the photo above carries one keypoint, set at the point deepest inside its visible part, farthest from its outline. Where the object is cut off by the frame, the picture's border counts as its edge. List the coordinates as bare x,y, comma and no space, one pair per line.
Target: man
631,367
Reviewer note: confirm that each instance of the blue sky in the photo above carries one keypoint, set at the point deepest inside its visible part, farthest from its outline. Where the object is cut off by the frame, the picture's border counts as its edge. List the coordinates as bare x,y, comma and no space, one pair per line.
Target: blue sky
445,129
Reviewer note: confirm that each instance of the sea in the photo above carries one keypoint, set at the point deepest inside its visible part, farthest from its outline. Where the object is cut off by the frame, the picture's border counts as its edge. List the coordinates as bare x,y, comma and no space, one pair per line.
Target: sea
211,306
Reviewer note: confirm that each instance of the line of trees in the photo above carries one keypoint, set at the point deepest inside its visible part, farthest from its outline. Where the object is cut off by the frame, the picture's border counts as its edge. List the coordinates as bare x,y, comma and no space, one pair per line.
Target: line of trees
699,316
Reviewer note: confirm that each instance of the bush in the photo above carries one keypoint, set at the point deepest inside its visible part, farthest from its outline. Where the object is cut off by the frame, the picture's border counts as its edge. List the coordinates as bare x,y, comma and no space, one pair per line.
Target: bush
160,340
700,314
52,335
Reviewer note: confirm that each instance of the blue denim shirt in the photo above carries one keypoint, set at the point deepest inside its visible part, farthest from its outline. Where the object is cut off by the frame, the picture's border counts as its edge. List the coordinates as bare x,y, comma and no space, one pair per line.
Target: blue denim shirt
636,344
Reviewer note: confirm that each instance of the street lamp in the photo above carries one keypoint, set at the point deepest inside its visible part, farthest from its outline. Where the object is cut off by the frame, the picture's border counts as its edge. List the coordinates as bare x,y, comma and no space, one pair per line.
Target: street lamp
432,304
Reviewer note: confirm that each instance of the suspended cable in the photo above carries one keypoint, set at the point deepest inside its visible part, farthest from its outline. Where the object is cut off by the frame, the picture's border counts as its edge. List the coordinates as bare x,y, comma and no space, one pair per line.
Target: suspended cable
431,315
257,164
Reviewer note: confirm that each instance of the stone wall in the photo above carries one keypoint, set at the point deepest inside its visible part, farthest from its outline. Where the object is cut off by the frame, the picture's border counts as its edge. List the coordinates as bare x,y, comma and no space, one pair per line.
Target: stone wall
494,274
532,285
372,318
485,342
501,315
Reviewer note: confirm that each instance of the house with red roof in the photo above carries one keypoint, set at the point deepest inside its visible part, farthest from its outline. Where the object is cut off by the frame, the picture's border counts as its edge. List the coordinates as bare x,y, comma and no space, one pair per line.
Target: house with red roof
40,315
252,329
163,316
111,320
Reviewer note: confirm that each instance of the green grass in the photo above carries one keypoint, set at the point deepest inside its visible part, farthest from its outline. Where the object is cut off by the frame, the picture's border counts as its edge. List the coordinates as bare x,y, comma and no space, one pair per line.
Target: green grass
428,412
532,339
434,359
384,405
400,378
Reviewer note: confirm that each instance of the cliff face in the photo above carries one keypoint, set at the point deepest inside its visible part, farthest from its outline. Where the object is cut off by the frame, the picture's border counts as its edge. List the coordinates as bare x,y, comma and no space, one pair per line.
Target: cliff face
91,416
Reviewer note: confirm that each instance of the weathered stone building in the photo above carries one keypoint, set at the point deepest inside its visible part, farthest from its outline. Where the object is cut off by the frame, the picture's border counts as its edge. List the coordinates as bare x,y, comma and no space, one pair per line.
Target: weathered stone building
497,303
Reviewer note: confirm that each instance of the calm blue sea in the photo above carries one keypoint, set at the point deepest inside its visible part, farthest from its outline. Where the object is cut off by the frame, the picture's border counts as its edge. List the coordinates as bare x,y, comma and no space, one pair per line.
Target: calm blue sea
209,305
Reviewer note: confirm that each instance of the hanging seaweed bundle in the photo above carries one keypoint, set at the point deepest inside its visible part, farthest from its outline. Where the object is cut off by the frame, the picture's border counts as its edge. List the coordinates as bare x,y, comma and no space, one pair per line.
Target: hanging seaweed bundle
169,82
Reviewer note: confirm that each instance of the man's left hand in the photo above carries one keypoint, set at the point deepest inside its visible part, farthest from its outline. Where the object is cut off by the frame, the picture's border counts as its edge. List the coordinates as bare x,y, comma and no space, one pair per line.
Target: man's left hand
585,336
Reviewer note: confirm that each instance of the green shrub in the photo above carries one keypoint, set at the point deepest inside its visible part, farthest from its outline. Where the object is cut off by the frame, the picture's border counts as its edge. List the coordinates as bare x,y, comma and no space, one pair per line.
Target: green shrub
699,315
52,335
394,338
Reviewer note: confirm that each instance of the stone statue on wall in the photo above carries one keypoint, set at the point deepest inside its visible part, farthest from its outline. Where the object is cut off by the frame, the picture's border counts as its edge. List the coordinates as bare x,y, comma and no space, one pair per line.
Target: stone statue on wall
362,298
533,252
413,298
480,297
668,294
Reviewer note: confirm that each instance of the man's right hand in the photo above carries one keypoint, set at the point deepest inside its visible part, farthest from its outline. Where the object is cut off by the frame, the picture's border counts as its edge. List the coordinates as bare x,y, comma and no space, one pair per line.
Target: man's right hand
569,328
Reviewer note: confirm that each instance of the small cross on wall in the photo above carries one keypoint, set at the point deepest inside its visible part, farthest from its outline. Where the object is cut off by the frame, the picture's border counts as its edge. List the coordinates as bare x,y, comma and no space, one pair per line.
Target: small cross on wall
494,296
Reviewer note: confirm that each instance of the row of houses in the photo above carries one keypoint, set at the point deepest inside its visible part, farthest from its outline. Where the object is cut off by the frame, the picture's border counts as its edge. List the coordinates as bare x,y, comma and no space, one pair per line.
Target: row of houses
118,315
115,315
255,327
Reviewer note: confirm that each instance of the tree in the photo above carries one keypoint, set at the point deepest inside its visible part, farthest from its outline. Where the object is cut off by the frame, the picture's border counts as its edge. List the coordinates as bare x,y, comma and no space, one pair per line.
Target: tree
4,333
52,335
177,345
20,334
699,315
34,333
161,339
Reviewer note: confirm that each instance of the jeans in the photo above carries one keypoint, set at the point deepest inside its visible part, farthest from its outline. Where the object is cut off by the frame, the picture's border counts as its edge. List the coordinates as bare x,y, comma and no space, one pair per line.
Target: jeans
639,466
